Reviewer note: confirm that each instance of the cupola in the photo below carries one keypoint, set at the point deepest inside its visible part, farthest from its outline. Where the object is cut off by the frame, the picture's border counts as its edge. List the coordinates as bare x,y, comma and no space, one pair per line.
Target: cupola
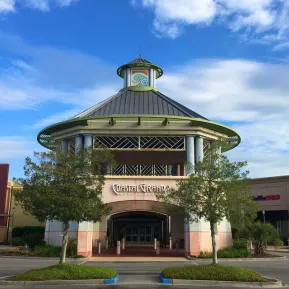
140,73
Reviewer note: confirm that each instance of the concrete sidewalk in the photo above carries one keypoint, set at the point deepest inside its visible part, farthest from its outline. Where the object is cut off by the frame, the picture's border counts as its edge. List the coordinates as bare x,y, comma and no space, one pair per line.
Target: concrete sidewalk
280,250
137,259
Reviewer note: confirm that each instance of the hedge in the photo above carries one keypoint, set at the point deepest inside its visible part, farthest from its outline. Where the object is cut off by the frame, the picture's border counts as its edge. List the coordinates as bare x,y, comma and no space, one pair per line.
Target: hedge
66,272
212,272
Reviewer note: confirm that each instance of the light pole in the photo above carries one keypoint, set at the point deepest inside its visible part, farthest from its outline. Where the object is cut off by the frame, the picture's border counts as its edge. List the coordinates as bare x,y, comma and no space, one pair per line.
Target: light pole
12,225
264,216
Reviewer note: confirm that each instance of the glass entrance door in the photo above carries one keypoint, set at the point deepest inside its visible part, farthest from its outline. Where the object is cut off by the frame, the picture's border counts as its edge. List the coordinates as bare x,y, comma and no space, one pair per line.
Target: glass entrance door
139,235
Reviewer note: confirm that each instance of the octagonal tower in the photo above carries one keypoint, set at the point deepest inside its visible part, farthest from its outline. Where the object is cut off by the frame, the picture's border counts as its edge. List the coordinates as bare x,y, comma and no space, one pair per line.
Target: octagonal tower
152,137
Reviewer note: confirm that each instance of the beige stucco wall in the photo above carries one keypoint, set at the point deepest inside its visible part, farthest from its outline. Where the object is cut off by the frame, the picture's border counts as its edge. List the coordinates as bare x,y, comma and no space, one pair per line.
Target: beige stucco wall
21,218
109,196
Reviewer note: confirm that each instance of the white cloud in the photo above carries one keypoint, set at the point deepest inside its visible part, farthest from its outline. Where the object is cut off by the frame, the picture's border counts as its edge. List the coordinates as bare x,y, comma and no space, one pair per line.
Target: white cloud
42,5
258,17
7,5
282,46
13,147
230,90
80,81
252,97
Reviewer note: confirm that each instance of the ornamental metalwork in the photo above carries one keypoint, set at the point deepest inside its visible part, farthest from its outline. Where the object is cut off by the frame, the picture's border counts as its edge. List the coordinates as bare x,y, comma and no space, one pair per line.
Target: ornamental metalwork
71,146
140,170
48,142
206,145
140,142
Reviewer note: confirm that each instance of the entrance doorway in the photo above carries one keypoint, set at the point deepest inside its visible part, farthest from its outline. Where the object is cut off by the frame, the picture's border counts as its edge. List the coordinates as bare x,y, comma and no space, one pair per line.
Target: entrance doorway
143,234
138,228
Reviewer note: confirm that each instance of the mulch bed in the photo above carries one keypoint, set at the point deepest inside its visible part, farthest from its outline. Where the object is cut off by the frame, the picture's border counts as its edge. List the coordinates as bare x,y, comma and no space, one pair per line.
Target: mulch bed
265,255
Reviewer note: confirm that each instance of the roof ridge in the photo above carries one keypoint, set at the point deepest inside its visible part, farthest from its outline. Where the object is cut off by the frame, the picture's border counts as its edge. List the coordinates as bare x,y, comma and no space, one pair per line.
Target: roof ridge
178,105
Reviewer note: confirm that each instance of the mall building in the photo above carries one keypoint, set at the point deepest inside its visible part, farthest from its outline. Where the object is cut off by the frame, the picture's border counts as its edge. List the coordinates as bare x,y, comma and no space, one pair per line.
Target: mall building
152,137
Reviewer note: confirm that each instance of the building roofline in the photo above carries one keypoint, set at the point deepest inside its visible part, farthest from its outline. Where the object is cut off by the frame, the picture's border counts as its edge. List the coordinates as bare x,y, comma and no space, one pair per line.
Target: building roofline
270,179
45,139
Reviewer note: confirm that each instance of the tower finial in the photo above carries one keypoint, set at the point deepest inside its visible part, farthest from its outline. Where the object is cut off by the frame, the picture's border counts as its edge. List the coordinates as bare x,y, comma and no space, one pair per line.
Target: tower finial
139,51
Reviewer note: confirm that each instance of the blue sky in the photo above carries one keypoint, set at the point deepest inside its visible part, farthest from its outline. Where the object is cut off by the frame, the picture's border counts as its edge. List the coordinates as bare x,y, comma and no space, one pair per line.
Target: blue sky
226,59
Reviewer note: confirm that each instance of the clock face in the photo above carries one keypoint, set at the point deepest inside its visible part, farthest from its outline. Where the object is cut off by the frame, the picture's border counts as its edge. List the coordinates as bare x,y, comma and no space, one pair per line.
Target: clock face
139,78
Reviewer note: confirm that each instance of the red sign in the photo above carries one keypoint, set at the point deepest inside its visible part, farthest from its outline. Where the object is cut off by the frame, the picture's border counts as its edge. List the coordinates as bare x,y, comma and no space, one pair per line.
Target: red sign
267,198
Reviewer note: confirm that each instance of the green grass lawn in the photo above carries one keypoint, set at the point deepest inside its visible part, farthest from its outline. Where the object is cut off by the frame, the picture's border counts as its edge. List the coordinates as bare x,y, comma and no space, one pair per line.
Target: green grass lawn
212,272
66,272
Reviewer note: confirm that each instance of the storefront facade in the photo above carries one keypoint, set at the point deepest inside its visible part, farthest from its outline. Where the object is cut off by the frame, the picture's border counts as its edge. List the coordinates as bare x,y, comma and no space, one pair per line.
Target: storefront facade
272,195
152,138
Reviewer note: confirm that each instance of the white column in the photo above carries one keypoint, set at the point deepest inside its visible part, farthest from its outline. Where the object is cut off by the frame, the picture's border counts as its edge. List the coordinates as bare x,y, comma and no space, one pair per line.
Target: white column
199,148
190,147
152,78
64,146
87,140
128,78
125,78
78,143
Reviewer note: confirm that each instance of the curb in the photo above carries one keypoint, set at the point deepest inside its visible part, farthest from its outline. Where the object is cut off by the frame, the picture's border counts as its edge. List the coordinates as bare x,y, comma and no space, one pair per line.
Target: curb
112,281
60,282
165,280
241,259
43,258
273,283
277,251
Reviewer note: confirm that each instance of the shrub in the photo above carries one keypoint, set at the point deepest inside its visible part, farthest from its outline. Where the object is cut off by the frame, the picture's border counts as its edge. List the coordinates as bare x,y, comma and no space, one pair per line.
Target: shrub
35,239
212,272
16,252
233,253
205,255
66,272
227,253
260,234
278,243
239,244
47,251
17,242
71,248
27,230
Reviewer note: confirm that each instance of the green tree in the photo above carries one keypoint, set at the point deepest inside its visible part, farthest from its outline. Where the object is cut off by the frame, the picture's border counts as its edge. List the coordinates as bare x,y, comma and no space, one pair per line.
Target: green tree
260,234
64,187
217,189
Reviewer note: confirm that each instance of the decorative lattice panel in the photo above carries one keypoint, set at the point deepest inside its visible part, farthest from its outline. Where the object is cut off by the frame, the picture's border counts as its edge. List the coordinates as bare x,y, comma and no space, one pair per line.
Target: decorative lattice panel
140,142
170,142
48,142
206,146
141,170
116,142
71,146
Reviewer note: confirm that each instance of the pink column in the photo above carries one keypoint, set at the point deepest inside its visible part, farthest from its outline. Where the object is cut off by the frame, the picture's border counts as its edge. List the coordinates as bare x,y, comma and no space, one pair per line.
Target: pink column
84,239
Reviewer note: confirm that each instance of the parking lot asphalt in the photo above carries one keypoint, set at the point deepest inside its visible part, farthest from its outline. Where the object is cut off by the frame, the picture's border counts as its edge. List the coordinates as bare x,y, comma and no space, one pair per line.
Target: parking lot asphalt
144,274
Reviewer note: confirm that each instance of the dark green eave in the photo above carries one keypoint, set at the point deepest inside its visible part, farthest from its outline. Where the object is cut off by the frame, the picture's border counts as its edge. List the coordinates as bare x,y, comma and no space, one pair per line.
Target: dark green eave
160,72
45,139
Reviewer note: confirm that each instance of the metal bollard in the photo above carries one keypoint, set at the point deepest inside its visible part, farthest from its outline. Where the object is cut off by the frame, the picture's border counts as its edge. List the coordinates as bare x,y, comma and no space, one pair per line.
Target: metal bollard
178,246
123,243
99,247
155,243
118,248
158,248
171,243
